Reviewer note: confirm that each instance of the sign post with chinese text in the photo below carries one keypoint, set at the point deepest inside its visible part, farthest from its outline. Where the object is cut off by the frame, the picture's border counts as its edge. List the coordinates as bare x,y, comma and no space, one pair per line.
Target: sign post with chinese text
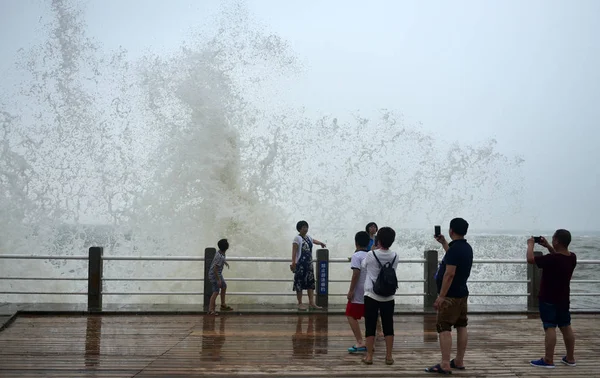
322,277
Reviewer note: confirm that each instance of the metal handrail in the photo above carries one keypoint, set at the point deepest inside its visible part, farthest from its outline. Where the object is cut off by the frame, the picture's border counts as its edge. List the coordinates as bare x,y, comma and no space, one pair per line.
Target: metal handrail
44,278
249,293
43,292
44,257
250,259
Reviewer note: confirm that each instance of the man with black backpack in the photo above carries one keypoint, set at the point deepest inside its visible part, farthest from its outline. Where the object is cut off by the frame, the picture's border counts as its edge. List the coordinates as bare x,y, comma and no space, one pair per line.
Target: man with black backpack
453,294
380,287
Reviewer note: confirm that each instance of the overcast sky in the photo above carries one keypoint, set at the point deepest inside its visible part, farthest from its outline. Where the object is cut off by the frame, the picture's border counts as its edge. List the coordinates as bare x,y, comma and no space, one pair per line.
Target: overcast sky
522,72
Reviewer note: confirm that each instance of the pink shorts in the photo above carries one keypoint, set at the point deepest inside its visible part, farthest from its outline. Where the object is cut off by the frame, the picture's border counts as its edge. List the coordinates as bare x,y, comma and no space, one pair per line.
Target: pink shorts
355,310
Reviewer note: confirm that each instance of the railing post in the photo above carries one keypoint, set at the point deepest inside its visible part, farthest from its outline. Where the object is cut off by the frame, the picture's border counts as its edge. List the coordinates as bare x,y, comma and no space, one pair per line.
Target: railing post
95,279
534,276
430,286
209,255
322,277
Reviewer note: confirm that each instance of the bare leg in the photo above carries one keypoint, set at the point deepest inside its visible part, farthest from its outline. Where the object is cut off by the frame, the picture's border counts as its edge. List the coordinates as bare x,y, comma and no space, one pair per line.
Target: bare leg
299,297
569,339
461,346
446,348
389,344
223,291
356,331
213,300
311,298
550,344
370,344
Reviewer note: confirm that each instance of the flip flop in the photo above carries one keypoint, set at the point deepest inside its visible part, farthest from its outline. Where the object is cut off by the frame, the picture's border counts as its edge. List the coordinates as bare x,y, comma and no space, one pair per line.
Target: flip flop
389,362
355,349
453,365
366,362
312,308
437,369
226,308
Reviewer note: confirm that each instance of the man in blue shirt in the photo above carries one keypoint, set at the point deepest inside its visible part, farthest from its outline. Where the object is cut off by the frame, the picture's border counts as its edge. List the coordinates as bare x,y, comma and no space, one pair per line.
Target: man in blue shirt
453,294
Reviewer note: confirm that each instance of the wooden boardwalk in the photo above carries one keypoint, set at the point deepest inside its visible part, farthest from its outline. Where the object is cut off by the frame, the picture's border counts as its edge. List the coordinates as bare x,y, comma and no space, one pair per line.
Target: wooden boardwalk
273,345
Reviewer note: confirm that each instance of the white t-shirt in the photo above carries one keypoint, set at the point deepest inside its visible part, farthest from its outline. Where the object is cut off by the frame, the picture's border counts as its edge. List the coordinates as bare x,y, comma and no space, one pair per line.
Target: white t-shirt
359,289
299,240
372,267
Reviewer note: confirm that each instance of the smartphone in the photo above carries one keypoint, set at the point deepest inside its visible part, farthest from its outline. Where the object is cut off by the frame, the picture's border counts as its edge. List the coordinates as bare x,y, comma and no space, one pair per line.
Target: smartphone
537,239
437,231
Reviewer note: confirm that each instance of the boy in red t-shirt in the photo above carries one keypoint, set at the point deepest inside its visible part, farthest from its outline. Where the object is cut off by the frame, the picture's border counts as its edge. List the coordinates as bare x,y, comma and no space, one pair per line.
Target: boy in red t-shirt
557,270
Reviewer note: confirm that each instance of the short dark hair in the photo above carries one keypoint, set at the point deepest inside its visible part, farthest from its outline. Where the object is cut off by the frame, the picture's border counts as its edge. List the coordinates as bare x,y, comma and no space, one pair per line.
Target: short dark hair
223,245
371,224
301,224
563,237
362,239
386,237
459,226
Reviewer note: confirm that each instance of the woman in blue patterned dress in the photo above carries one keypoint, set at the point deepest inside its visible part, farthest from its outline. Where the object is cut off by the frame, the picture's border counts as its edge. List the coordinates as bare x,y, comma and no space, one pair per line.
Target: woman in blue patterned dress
302,266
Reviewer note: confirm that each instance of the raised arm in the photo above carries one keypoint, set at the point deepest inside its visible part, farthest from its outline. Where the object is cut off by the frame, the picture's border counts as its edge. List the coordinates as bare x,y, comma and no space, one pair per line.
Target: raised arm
530,245
315,241
442,240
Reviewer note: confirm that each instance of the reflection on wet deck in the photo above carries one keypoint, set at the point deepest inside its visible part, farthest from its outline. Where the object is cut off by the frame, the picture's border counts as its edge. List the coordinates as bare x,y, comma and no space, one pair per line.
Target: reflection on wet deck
307,345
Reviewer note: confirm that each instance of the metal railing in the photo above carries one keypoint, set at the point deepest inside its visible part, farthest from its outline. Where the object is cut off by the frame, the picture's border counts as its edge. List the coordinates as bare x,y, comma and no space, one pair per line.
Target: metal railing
96,261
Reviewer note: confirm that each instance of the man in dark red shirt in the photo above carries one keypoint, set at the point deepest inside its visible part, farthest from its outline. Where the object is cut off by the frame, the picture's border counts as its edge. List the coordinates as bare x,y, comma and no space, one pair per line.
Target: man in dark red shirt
557,270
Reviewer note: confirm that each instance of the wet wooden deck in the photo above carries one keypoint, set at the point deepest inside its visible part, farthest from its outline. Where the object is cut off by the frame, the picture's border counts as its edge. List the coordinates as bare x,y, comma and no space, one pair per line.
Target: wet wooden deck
272,345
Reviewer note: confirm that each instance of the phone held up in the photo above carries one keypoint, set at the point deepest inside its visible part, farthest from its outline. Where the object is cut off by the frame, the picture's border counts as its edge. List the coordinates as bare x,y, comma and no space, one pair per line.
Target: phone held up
437,231
537,239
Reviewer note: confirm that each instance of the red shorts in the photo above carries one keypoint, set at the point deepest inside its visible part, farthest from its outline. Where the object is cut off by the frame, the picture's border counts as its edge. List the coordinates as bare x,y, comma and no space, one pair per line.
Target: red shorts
355,310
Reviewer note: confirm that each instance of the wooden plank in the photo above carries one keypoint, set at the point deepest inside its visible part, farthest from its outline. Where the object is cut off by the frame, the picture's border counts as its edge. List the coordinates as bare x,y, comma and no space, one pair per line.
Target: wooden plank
273,345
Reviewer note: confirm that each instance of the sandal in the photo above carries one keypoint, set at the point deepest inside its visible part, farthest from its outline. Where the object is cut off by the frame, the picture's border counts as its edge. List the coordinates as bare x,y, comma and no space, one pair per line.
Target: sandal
355,349
367,362
226,308
389,362
453,365
212,313
314,307
437,369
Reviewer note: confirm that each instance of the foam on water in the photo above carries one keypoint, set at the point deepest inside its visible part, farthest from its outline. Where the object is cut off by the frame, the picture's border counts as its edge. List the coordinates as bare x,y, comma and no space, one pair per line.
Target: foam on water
169,153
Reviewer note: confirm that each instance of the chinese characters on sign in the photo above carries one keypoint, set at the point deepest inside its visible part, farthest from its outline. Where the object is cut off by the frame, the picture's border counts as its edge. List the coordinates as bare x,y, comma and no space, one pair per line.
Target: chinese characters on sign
322,277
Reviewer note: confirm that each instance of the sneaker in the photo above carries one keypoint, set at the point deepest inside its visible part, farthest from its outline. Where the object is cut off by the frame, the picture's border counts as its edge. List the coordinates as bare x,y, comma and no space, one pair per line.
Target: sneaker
542,363
564,361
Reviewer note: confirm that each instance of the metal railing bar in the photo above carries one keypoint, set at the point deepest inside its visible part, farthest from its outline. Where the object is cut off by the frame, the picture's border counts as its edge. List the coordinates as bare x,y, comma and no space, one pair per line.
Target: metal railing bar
406,261
158,279
238,293
155,258
585,281
228,280
44,257
498,295
43,279
497,281
585,294
42,292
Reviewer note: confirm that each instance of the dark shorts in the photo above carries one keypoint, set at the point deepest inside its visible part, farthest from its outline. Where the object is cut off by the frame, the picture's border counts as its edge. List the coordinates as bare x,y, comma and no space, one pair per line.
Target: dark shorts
215,285
554,315
355,310
452,313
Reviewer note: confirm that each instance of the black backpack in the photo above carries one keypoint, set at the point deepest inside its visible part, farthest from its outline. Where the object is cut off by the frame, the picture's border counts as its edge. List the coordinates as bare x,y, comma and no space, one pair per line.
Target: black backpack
387,282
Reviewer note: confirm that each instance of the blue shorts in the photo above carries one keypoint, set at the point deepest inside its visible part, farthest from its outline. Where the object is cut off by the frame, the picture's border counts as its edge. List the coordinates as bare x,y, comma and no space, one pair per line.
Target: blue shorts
554,316
215,285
